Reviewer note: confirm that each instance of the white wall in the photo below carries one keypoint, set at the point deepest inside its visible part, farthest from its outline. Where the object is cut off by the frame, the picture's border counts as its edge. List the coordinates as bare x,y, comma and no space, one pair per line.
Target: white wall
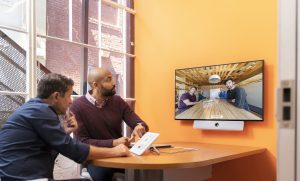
254,94
214,93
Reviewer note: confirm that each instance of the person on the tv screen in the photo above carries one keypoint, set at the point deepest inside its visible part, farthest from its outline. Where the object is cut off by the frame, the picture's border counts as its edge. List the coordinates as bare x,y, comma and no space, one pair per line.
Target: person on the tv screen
222,94
187,99
200,95
237,95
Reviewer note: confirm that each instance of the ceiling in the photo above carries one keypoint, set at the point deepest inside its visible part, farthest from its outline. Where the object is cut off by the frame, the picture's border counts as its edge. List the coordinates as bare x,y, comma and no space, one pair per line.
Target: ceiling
237,71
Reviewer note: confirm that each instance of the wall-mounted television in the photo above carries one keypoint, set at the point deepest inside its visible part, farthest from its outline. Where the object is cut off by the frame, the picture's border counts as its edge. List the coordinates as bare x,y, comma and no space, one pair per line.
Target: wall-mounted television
233,92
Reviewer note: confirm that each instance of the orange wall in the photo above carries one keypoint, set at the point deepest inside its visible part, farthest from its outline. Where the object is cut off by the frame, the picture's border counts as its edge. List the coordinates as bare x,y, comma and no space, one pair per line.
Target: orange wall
174,34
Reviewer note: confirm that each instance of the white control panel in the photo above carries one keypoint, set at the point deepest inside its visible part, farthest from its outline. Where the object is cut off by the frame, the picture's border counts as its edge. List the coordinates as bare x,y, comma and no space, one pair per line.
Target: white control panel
144,143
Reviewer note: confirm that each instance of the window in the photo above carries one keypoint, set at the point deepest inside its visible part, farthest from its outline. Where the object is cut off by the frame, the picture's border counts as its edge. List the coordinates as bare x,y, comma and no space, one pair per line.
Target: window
14,43
71,37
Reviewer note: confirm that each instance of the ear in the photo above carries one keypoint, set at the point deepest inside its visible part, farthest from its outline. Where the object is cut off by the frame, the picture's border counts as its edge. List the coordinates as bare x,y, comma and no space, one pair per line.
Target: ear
95,84
55,95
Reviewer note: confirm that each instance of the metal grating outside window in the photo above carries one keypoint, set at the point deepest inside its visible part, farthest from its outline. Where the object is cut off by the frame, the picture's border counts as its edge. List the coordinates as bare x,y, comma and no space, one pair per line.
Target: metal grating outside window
12,75
12,65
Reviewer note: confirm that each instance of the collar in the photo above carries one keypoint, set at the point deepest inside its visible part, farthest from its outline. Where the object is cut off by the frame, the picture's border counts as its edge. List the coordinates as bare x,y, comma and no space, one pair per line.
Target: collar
92,100
39,100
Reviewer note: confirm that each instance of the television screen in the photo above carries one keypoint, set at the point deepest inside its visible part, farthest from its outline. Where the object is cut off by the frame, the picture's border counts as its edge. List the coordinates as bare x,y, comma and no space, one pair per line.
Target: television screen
220,92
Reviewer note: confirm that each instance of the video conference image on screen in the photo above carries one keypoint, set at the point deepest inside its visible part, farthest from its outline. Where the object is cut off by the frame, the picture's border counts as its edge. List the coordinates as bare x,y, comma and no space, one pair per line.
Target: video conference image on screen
220,92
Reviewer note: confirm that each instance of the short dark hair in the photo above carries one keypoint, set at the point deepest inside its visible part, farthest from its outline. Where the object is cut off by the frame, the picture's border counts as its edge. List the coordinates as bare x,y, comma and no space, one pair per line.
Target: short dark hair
51,83
193,87
228,80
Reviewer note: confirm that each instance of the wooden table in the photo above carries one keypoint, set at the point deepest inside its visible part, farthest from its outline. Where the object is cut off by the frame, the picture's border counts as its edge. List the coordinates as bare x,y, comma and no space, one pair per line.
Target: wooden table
216,109
152,166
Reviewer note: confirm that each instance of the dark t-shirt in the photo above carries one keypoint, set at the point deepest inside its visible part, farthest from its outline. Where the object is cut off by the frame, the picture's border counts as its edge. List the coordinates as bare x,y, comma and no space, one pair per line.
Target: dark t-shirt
240,96
30,140
100,126
184,96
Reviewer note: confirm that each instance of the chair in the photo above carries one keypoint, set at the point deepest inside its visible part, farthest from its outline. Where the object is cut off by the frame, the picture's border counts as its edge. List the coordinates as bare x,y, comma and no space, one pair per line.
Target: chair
126,130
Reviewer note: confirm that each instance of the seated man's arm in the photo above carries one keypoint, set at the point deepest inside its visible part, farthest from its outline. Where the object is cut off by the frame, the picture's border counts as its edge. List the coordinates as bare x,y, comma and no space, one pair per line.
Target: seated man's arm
118,151
49,129
51,132
188,102
133,120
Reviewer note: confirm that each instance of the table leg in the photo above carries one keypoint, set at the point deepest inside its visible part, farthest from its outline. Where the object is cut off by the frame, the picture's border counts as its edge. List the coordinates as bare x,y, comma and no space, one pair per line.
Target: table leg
143,175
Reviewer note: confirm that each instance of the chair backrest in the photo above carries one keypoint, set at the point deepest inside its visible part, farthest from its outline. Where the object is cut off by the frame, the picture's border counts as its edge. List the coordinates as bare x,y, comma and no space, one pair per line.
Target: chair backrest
126,130
64,168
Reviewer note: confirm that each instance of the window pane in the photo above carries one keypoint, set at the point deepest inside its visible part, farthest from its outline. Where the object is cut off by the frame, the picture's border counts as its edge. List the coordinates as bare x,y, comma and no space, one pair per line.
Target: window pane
112,28
110,15
117,30
64,58
77,20
115,63
93,57
8,104
68,59
57,18
12,61
121,2
13,13
93,33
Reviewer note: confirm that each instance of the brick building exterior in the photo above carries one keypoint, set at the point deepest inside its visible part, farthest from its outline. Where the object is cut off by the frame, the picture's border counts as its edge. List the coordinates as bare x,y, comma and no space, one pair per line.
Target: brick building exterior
66,58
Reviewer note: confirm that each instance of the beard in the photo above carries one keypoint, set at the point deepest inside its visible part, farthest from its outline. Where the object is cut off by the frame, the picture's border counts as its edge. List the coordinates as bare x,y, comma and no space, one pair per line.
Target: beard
108,92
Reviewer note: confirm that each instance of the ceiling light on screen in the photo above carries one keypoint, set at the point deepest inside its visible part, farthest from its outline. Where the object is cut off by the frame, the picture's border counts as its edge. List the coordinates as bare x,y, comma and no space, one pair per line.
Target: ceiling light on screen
214,79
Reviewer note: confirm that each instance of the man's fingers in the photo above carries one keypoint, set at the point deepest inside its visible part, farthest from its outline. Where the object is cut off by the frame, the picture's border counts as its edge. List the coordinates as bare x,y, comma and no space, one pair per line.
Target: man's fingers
71,114
131,138
141,132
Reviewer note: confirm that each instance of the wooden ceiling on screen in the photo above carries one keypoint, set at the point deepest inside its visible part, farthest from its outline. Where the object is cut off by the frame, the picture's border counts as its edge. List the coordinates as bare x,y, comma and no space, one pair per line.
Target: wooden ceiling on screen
237,71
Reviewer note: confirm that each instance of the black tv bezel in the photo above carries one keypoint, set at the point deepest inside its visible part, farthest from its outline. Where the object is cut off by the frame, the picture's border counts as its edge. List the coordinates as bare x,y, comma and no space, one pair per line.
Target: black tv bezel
263,92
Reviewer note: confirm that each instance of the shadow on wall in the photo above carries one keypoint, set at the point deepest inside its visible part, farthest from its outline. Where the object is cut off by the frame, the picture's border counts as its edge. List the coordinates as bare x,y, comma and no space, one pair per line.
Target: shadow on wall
260,167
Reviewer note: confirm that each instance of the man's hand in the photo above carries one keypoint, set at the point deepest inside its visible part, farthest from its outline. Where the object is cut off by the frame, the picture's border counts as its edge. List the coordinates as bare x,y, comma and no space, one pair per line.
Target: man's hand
70,123
121,150
121,140
139,131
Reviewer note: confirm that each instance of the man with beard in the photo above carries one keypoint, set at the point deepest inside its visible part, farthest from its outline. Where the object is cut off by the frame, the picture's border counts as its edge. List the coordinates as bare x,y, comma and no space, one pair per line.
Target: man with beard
100,114
237,95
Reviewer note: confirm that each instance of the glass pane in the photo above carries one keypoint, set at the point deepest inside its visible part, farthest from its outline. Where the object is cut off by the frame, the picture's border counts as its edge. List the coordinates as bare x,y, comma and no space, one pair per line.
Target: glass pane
12,61
57,18
64,58
13,13
93,33
41,18
93,62
115,63
110,15
93,57
77,20
8,104
117,30
126,3
112,28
